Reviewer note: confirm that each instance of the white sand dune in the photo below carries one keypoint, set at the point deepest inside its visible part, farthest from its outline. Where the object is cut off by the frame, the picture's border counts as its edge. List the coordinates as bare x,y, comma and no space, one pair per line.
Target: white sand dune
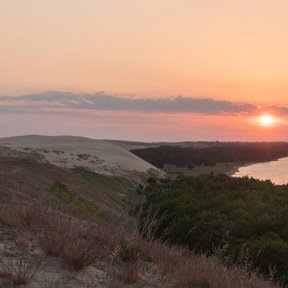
69,151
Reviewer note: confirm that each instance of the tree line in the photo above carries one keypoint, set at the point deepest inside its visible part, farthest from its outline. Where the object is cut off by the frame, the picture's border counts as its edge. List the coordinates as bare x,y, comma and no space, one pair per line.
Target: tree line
237,216
216,153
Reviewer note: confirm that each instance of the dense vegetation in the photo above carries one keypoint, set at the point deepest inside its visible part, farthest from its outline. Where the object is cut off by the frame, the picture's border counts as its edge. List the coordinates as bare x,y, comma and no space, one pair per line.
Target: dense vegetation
246,218
212,154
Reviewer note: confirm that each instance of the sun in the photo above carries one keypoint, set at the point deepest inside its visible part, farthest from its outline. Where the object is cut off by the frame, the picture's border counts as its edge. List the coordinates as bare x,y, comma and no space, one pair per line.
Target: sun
267,120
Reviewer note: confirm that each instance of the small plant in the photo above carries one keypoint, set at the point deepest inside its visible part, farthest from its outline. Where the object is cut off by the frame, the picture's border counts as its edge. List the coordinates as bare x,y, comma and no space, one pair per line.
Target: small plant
84,156
149,223
130,250
11,216
129,274
81,252
21,271
58,152
78,246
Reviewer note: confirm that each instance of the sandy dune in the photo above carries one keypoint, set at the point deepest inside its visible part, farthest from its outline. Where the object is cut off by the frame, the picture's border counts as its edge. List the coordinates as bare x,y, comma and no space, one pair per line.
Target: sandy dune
69,151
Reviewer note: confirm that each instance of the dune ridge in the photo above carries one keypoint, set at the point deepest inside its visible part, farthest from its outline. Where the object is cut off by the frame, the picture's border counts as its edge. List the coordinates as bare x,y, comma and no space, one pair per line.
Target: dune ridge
71,151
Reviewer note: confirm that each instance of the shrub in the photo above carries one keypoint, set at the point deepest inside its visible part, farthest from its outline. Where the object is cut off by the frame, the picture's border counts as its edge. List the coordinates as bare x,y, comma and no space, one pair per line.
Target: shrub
130,250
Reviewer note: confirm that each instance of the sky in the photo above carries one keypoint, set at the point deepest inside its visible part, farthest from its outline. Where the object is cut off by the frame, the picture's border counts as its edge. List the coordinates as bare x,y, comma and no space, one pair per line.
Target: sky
153,70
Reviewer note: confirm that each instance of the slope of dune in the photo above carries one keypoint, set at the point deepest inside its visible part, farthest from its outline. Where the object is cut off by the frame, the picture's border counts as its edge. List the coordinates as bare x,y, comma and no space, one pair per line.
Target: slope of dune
70,151
31,180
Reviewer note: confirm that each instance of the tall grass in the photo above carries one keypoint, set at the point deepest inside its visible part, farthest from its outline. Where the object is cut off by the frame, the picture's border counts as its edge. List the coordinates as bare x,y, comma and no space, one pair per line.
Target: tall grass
78,246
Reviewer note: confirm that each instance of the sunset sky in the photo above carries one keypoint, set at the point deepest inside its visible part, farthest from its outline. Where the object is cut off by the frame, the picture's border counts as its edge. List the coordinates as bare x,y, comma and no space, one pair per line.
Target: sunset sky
150,70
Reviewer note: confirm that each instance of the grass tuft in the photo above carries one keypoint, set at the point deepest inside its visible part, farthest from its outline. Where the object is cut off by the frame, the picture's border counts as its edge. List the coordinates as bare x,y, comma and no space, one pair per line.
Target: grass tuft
21,271
78,244
129,274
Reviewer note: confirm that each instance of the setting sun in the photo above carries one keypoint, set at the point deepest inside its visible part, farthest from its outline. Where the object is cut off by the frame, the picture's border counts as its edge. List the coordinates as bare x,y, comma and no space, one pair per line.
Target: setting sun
267,120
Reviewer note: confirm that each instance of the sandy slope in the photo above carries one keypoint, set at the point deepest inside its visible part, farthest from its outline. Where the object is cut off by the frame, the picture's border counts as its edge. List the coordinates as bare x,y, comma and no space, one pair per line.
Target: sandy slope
69,151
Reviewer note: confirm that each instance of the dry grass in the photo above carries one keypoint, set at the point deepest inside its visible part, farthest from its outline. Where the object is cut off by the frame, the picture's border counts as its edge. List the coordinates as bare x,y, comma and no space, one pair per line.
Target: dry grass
185,269
129,274
20,271
148,224
51,281
82,242
21,214
78,244
131,249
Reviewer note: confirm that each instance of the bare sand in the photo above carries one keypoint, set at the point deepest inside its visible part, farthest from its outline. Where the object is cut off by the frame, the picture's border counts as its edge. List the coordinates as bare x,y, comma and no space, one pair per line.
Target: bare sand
69,151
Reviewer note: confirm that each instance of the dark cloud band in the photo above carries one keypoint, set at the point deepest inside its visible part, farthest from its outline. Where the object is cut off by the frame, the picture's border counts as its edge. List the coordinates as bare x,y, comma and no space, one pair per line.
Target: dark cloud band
102,101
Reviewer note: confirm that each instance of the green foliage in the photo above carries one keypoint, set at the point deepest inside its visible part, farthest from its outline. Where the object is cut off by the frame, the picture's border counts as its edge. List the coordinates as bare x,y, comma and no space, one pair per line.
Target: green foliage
62,192
210,211
119,189
215,153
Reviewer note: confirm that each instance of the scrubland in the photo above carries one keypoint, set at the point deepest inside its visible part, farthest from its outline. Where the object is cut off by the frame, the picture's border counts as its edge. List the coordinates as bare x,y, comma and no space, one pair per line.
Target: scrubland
44,244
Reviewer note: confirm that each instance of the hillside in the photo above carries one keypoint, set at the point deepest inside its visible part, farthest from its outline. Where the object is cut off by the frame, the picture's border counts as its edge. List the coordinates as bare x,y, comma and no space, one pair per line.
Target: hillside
60,228
97,155
243,217
31,179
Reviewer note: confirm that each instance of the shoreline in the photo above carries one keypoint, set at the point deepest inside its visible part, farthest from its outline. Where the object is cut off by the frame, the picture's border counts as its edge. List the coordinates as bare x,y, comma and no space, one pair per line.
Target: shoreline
244,164
236,167
228,168
220,168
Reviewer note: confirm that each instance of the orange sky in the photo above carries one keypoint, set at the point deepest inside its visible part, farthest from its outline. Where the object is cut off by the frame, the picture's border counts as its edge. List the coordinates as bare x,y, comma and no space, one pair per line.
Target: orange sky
225,50
141,126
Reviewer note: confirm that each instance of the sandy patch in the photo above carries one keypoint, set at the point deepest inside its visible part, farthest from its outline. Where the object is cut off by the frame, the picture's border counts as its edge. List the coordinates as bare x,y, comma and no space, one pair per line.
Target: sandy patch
69,151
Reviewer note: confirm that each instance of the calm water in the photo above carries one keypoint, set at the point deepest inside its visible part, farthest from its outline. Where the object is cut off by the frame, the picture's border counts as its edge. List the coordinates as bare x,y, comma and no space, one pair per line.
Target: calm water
276,171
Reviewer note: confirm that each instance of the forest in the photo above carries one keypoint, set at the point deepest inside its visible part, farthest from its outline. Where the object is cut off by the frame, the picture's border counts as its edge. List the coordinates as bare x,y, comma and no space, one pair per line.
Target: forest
214,153
243,218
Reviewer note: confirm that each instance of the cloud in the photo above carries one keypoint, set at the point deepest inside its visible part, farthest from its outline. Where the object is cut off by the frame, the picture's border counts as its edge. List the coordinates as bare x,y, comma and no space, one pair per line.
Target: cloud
51,102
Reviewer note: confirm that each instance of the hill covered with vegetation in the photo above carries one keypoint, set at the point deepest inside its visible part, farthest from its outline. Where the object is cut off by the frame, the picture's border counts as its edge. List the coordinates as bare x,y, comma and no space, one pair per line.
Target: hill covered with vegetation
245,219
68,228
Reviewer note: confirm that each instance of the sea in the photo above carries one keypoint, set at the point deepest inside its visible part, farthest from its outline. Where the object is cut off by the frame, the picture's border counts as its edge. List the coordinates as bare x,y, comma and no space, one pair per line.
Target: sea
276,171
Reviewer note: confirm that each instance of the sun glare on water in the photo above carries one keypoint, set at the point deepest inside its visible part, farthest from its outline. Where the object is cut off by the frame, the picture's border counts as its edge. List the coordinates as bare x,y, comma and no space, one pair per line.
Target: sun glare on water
267,120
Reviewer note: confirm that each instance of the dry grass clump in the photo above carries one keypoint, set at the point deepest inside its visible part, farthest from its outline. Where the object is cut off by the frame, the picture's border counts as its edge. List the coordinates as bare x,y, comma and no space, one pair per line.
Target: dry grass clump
78,242
20,271
23,215
129,274
11,216
132,249
75,245
186,269
78,245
